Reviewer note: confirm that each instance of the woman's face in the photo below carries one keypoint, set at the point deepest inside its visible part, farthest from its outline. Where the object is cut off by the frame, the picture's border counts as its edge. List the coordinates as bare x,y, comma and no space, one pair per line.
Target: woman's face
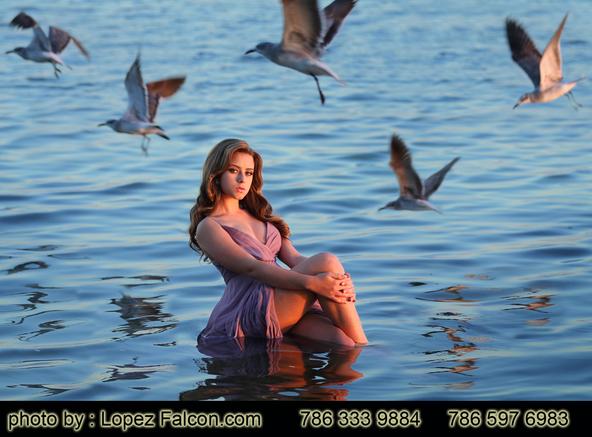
237,178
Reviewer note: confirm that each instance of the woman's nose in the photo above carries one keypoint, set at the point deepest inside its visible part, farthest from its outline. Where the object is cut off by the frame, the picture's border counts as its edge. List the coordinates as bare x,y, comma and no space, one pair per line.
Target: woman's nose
240,177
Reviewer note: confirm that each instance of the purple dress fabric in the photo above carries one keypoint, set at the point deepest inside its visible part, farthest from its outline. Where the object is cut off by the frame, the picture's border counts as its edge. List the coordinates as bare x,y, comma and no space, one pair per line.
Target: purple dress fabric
247,308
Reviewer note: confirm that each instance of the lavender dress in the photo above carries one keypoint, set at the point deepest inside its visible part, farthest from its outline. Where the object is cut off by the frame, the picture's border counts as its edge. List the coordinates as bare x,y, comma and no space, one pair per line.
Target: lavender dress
247,308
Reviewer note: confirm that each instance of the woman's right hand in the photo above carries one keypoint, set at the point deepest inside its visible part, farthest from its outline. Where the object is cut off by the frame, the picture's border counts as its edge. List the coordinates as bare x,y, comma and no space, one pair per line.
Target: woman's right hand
335,286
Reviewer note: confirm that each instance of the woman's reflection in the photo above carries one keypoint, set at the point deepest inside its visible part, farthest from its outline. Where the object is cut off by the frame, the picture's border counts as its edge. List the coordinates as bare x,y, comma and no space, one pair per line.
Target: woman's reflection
265,369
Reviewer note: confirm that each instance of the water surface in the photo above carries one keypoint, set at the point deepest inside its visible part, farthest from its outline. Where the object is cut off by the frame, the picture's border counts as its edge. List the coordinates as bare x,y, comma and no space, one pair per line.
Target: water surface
101,298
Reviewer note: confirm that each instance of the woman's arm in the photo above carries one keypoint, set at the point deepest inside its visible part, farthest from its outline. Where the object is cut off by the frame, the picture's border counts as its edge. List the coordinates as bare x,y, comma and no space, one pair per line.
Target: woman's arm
220,247
289,255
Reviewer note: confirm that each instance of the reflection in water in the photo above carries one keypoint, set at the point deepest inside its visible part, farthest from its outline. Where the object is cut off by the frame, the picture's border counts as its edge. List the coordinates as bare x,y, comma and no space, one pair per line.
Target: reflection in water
453,326
42,248
140,280
45,327
457,355
32,265
460,366
48,389
37,299
132,371
288,369
142,315
459,348
448,294
536,301
34,298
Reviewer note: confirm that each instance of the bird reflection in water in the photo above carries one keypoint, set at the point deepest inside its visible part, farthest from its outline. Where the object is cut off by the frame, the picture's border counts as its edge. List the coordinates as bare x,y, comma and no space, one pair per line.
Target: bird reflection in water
536,303
454,357
274,369
459,348
142,315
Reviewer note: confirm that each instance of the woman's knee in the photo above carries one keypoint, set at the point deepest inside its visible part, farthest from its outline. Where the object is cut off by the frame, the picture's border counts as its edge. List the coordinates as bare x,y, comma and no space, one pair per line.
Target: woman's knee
326,261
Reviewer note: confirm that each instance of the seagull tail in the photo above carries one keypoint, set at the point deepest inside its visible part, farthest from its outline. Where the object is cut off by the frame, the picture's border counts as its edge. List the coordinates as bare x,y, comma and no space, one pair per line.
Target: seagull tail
428,205
157,130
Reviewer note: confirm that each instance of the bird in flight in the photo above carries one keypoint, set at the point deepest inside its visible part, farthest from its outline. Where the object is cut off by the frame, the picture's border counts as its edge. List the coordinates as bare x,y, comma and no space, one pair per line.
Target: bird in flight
414,193
545,71
307,31
143,101
43,48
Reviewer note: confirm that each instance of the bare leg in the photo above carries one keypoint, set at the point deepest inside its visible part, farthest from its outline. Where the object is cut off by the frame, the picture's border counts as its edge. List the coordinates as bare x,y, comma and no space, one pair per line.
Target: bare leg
319,327
292,305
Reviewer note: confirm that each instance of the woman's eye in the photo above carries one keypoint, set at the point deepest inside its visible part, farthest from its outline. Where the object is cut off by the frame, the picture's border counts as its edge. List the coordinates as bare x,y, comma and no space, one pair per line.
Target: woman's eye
232,170
249,173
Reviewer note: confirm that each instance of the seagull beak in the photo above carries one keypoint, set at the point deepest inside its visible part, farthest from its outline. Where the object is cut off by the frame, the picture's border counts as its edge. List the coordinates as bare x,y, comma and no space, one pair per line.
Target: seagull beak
101,124
250,51
10,51
516,105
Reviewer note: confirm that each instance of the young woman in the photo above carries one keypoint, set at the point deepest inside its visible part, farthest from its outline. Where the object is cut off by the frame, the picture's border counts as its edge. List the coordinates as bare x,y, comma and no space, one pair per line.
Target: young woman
232,224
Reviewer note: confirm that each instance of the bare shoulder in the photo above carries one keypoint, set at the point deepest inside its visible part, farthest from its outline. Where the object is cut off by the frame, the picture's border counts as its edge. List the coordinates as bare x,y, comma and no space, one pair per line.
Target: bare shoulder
208,230
221,248
207,225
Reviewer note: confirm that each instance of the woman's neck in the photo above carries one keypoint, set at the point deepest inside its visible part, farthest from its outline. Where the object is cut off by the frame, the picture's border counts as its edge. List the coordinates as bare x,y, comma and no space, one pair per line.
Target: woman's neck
227,206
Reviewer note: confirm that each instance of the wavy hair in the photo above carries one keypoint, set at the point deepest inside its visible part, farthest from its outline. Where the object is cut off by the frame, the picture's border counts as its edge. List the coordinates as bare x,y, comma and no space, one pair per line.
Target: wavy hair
217,162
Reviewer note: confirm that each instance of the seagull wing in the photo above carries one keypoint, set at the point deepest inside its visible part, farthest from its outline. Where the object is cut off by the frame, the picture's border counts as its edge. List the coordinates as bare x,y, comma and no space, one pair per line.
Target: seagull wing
551,61
23,21
409,182
161,89
40,40
59,39
434,181
524,52
302,26
335,13
136,93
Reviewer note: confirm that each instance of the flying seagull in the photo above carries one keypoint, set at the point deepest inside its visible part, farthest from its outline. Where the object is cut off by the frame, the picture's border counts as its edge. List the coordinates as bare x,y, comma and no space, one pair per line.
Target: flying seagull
143,103
544,70
43,48
307,31
414,194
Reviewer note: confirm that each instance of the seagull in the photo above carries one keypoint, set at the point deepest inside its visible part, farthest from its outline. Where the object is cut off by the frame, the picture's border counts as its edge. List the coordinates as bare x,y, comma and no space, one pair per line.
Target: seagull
414,194
143,103
41,48
307,31
544,70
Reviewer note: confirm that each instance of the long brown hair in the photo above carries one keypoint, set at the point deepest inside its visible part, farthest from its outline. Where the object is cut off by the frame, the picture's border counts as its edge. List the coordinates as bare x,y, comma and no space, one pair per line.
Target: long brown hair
254,203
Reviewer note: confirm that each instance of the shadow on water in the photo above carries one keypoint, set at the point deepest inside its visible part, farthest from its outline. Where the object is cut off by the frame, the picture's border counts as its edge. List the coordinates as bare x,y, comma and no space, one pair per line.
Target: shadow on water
286,369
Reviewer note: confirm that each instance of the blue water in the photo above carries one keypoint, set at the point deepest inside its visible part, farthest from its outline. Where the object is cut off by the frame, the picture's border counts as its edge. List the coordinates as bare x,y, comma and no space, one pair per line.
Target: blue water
101,297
